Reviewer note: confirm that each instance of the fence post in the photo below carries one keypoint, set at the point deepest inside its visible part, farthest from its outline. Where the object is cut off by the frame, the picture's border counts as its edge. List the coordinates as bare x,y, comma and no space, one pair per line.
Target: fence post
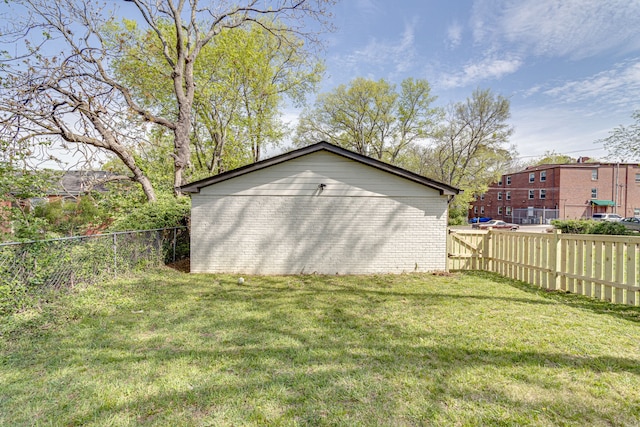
115,256
553,281
487,253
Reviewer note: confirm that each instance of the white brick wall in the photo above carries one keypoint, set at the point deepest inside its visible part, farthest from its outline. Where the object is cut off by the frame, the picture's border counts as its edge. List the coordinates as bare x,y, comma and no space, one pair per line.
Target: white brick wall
347,229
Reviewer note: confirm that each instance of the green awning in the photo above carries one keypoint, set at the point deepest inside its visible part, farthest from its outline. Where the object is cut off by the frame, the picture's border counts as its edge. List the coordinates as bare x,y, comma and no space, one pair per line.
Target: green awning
603,203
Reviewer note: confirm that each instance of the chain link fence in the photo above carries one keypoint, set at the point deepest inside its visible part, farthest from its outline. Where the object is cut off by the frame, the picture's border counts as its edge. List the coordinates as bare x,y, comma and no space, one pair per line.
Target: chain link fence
534,215
29,268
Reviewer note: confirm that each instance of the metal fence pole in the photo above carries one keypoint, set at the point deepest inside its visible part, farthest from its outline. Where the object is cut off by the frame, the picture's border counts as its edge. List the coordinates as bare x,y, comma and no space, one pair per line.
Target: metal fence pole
115,256
174,244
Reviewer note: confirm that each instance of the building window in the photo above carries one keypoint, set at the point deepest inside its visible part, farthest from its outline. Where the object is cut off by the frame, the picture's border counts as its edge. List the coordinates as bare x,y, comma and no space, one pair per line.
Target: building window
636,211
543,176
481,210
500,182
500,195
594,174
543,194
508,210
638,178
508,195
508,180
500,210
475,209
532,177
594,193
482,197
531,194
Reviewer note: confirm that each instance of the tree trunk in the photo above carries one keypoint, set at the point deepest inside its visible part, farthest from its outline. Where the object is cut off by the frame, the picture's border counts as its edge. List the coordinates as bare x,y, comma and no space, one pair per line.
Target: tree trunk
147,188
182,154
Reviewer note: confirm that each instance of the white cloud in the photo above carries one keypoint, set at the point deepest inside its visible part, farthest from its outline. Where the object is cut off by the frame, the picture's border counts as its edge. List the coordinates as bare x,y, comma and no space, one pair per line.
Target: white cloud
553,28
574,114
400,54
531,91
454,35
617,88
486,69
369,7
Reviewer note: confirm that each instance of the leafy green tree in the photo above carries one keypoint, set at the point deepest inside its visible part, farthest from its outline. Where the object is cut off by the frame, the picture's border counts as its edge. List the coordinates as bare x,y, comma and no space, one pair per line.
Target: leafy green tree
470,148
552,158
84,53
242,77
623,142
371,117
194,27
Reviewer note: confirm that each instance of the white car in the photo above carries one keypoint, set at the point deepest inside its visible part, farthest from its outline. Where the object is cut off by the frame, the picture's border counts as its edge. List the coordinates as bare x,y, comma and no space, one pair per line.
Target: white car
607,217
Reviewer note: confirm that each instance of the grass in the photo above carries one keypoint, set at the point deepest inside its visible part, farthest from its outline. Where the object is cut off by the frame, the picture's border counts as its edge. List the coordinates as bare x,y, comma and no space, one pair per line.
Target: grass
194,350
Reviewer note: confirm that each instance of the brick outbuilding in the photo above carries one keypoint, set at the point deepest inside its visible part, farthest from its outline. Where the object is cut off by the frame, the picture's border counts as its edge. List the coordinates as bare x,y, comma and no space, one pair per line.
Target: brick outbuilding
320,209
565,191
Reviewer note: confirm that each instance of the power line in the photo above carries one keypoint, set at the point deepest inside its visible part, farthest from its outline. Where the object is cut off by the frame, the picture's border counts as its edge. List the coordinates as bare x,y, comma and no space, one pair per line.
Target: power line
560,154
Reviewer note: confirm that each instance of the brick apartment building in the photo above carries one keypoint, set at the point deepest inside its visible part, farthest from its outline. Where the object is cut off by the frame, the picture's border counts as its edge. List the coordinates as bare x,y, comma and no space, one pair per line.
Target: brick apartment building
568,191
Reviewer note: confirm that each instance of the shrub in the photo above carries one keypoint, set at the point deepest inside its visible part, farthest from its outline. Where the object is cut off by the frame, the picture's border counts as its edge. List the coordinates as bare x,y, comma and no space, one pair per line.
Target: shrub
458,215
70,218
588,226
167,212
606,227
572,226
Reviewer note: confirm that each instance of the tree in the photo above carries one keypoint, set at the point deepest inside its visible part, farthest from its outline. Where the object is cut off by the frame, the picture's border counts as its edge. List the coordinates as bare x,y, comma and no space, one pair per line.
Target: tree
551,158
469,149
153,156
623,142
242,78
81,25
59,98
193,34
370,117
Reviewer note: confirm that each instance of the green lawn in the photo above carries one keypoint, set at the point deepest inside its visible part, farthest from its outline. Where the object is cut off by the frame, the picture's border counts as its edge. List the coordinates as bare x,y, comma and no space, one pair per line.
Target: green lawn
177,349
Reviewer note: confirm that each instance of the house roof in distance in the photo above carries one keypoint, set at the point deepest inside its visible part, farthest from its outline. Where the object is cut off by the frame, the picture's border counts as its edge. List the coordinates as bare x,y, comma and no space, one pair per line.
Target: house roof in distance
70,183
444,189
78,182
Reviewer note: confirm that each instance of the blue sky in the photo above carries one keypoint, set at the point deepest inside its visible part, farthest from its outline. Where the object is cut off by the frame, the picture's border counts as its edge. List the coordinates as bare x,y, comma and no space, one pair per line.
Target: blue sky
571,68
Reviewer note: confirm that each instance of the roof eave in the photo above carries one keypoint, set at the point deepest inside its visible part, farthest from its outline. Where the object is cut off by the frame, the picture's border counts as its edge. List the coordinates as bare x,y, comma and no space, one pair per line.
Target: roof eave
444,189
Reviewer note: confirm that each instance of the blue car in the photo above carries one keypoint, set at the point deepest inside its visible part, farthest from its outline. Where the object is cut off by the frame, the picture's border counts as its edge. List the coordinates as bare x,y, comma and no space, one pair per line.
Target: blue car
480,219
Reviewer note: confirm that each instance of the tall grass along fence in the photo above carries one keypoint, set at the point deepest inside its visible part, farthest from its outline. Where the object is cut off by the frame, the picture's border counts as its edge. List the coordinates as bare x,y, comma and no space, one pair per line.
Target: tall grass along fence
28,269
598,266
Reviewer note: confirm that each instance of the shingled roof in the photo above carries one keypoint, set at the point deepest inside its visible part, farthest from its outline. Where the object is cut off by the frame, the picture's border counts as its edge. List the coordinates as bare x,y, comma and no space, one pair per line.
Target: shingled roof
75,183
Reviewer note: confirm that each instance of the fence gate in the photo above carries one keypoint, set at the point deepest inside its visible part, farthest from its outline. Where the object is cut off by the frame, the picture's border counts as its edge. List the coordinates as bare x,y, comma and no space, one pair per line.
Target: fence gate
465,249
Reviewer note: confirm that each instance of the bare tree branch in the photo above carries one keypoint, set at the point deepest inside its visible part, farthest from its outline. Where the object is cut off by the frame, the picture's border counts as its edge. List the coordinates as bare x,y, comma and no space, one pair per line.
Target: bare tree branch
88,75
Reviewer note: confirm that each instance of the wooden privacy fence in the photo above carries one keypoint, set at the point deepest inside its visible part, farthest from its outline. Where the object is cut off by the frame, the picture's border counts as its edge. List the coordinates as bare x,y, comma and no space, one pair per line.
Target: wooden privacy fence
599,266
